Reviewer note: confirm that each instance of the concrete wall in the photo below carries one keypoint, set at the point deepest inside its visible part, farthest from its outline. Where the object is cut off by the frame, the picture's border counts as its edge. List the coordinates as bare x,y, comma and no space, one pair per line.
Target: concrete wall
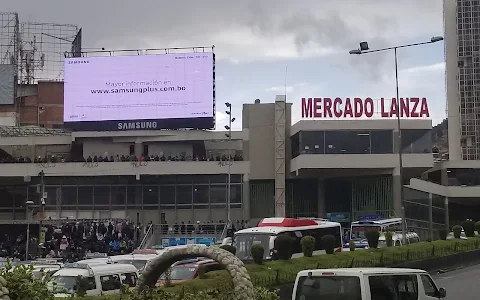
259,120
123,168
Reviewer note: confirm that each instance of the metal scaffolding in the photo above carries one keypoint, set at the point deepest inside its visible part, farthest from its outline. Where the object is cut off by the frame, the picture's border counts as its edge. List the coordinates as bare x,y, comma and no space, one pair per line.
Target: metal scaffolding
9,29
14,131
42,50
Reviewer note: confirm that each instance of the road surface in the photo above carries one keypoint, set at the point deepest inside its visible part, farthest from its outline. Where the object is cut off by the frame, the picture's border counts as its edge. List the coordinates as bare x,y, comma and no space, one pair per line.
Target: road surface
461,284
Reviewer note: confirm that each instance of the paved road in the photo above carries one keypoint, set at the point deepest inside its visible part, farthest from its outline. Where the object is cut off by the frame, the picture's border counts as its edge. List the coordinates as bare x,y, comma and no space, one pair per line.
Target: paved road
460,284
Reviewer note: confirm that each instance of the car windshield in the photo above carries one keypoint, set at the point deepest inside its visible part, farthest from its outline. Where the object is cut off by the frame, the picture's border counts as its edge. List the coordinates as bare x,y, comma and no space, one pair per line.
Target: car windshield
179,273
65,284
328,287
139,264
360,232
244,241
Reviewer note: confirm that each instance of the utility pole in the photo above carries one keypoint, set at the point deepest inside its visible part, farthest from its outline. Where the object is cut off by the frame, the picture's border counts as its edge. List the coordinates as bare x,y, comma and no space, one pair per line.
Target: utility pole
41,190
229,136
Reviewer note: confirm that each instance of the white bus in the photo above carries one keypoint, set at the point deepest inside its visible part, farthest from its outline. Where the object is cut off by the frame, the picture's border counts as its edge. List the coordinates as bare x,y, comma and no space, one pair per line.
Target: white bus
269,228
359,229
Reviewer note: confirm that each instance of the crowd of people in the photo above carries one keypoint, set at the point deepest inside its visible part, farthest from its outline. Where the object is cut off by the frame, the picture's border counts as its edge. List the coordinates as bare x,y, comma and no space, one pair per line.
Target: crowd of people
71,241
119,158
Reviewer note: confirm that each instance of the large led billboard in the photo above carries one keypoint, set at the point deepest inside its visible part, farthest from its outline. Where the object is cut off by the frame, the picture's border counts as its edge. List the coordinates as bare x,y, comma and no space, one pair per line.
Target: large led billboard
140,92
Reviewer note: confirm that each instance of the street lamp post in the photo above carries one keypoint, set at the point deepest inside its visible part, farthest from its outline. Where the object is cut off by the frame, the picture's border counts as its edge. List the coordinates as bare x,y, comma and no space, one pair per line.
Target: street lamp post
364,49
229,136
27,215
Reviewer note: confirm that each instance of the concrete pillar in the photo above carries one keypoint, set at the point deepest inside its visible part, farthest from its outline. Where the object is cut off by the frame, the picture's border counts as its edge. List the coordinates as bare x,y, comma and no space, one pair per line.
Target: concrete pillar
447,215
321,198
430,215
246,196
138,148
396,188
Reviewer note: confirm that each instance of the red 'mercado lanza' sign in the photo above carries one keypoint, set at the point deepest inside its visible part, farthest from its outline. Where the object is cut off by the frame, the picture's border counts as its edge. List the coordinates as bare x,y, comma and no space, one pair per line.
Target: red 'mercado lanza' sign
364,108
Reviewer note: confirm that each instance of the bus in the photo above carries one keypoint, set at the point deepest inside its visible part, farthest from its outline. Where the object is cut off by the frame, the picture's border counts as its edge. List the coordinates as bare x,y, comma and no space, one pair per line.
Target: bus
359,229
269,228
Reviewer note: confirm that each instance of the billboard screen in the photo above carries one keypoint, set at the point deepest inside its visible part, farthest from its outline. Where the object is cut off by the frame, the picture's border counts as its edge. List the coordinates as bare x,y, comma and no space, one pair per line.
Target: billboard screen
140,92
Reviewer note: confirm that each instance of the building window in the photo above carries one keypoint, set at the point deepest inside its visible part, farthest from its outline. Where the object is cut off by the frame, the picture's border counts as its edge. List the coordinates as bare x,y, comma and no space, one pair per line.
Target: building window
312,142
167,196
150,195
382,141
119,195
85,195
184,196
347,142
69,195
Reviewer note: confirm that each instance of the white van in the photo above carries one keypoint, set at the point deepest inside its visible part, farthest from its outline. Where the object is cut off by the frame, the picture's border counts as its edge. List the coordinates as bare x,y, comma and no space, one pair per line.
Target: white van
366,284
397,239
102,279
140,261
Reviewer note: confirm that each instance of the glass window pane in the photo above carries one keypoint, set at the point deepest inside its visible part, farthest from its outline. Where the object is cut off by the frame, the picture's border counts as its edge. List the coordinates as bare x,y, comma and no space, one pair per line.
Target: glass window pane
347,142
236,193
119,195
312,142
218,194
102,195
69,195
201,194
150,195
382,141
85,195
134,196
167,195
184,195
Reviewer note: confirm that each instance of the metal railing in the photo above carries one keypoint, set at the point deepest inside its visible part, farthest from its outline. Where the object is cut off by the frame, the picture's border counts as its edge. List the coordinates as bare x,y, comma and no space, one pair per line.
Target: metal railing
147,236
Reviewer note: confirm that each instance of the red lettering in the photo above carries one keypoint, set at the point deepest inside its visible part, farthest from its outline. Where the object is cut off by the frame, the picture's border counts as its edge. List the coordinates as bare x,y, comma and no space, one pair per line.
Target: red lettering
336,107
306,108
327,107
393,108
348,108
413,111
424,108
317,107
358,107
383,113
405,107
369,107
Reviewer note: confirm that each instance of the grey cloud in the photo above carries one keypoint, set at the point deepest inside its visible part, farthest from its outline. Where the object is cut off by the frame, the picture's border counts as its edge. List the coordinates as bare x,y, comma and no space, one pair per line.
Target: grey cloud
311,23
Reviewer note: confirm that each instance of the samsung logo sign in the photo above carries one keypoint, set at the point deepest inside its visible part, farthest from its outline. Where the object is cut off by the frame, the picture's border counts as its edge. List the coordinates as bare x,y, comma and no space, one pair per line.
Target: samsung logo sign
136,125
71,62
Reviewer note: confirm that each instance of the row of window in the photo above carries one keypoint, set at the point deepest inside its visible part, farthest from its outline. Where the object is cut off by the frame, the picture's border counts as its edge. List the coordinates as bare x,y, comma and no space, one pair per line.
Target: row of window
120,195
359,142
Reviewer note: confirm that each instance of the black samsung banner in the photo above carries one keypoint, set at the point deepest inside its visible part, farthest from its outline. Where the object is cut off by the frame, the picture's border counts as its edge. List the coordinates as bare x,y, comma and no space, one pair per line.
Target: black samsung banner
150,124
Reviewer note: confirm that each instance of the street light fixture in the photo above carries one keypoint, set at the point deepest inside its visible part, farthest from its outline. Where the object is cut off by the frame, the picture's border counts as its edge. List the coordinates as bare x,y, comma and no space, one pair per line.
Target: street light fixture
27,216
364,49
229,136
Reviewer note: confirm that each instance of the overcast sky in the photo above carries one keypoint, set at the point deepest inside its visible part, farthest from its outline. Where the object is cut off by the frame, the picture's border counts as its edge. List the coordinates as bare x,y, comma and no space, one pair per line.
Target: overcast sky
256,40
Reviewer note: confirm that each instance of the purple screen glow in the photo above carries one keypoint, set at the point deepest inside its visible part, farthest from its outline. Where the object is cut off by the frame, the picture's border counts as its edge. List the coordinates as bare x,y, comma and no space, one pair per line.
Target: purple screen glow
139,87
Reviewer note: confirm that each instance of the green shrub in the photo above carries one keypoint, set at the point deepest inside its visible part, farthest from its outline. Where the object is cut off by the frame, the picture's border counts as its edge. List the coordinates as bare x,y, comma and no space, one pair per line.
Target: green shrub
389,238
442,233
283,245
328,243
372,238
477,227
308,245
257,251
457,231
23,285
469,228
229,248
351,244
